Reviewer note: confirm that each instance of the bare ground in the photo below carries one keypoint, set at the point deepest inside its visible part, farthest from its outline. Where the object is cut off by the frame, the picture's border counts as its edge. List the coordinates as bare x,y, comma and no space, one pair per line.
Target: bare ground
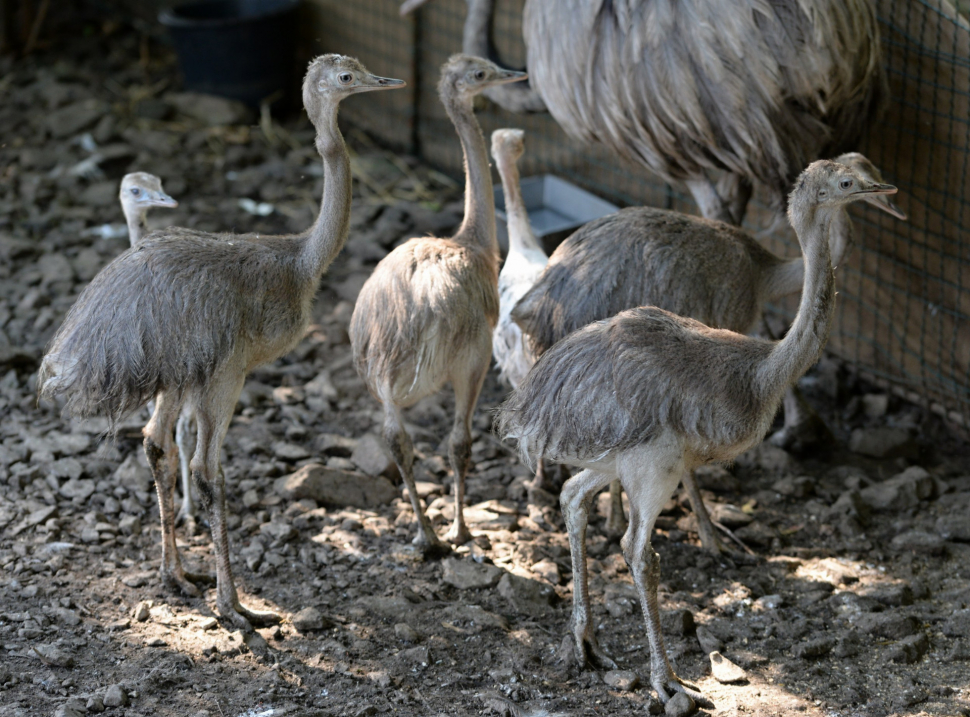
855,601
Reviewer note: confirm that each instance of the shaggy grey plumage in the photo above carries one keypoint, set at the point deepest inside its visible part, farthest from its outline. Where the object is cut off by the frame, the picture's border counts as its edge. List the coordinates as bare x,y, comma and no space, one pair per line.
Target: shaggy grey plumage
425,316
184,315
757,88
710,271
646,396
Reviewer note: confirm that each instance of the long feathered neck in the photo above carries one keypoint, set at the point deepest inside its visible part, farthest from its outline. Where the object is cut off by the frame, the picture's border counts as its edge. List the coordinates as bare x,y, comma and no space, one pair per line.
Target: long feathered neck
137,221
521,238
478,227
329,232
788,277
802,346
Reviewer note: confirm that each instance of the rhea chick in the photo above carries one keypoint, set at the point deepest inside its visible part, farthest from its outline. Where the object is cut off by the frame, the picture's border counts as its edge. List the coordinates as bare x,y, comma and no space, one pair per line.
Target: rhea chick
647,396
425,316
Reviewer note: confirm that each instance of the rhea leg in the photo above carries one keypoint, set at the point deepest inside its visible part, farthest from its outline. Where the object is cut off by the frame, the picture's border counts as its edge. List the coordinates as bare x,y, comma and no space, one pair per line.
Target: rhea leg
467,388
577,494
708,200
162,457
213,413
185,440
399,442
705,528
615,520
649,480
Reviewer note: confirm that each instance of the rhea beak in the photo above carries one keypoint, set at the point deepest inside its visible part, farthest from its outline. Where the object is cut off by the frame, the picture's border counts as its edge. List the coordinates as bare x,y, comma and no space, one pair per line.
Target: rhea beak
411,5
507,76
163,200
884,203
381,83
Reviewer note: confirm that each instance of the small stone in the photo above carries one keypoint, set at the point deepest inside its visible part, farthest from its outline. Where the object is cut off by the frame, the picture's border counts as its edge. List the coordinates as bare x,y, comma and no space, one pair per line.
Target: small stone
381,678
795,486
886,624
910,649
81,488
210,623
130,525
137,580
330,486
709,642
875,405
680,705
372,457
279,532
72,708
250,498
884,442
310,619
51,655
133,475
289,451
813,649
901,492
547,570
918,541
622,680
725,671
469,575
958,624
677,622
530,597
95,704
322,386
71,119
954,527
406,633
142,611
768,458
416,656
210,110
115,696
66,616
768,602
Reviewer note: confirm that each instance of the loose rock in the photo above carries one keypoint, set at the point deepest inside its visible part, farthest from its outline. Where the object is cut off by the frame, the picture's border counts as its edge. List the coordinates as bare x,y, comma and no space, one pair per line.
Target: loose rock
725,671
331,486
469,575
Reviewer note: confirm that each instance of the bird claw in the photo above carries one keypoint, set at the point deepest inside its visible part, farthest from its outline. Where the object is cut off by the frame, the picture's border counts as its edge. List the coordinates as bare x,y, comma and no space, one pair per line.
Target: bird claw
458,533
179,579
245,618
431,548
668,685
589,651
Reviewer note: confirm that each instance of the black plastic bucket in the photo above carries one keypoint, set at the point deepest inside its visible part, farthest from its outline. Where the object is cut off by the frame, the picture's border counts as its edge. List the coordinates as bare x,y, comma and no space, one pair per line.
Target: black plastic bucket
242,49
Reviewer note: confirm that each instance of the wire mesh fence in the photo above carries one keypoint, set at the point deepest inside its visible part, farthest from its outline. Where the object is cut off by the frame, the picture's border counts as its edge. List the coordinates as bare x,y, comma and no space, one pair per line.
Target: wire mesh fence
904,310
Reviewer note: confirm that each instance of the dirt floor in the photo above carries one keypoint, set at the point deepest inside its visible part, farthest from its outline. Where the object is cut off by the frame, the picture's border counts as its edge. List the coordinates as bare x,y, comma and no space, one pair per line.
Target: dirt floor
856,600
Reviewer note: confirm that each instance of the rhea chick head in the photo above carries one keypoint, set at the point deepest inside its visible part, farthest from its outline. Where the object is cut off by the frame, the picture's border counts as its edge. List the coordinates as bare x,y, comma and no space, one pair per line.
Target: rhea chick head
464,76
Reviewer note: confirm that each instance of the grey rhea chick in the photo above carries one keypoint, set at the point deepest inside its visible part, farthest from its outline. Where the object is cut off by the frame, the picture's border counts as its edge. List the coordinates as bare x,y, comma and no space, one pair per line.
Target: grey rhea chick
183,317
647,396
425,316
707,270
140,191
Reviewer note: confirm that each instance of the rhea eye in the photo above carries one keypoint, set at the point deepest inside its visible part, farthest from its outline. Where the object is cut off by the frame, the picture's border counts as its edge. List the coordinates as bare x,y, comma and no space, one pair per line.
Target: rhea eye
345,78
845,183
136,191
480,75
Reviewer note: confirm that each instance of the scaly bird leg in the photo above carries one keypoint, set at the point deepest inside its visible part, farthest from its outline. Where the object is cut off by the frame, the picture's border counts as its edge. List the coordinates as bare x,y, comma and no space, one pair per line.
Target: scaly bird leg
162,457
214,411
577,494
467,390
399,443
